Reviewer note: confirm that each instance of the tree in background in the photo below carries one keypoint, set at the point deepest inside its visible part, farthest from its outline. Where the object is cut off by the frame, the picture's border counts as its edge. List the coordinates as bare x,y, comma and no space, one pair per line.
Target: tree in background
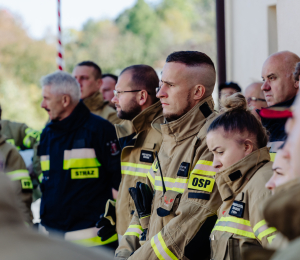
142,34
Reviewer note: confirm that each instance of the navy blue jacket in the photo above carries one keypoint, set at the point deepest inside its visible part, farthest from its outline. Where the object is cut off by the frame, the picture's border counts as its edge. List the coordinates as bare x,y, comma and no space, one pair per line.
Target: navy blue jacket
80,159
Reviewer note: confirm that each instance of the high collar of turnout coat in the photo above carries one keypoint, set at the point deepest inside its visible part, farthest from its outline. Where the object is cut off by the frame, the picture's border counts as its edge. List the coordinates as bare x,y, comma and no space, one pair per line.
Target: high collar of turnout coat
234,178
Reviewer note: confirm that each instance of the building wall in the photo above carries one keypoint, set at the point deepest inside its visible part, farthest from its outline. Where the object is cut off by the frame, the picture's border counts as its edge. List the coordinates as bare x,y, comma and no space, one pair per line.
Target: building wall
254,30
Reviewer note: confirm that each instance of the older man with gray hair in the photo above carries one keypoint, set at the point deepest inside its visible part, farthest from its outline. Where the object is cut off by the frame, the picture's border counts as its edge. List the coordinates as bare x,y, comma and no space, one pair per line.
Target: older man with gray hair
80,160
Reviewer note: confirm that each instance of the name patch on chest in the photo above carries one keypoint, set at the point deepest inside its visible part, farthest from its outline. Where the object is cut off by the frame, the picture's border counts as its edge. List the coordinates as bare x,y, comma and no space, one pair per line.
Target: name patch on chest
146,156
183,170
197,182
85,173
237,209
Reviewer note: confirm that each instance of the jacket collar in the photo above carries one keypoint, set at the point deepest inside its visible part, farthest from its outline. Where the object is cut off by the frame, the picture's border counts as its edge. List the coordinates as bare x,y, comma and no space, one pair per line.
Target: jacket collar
78,117
190,123
233,179
95,102
141,122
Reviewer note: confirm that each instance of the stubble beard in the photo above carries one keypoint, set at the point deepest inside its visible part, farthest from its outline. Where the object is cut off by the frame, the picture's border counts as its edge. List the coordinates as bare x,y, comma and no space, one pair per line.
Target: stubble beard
131,112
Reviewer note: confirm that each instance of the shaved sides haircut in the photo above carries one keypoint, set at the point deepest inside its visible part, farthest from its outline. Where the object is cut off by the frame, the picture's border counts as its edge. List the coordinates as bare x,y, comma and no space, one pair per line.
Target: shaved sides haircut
206,75
144,77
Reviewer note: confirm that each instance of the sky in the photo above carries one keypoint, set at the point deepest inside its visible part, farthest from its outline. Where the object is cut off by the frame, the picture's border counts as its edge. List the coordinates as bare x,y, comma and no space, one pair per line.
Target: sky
41,15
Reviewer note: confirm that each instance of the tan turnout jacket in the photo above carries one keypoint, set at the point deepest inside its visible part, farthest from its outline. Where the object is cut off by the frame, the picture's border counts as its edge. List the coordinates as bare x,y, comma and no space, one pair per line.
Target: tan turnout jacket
139,141
191,201
100,107
12,164
19,134
240,224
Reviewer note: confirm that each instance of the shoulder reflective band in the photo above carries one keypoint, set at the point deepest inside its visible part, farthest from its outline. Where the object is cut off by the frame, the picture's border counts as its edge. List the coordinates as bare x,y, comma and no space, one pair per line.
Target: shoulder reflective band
135,169
45,162
234,225
10,141
85,173
261,229
272,156
197,182
205,168
31,133
134,230
160,248
80,158
88,237
18,175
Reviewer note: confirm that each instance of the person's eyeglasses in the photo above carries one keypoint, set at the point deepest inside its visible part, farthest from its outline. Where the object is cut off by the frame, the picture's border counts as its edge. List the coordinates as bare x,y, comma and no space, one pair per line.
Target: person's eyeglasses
116,93
249,99
157,89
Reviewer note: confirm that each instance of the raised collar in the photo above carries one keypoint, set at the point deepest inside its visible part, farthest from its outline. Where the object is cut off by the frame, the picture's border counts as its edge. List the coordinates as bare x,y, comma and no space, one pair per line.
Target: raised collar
95,102
190,123
233,179
144,119
78,117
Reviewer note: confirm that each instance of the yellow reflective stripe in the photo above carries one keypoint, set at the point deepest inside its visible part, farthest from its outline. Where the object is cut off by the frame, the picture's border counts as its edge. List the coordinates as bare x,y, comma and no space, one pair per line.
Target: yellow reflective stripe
95,241
272,155
81,163
45,165
18,175
41,176
144,166
177,184
236,220
205,168
259,224
134,230
134,169
145,217
30,133
234,225
266,232
235,231
151,178
10,141
160,248
270,239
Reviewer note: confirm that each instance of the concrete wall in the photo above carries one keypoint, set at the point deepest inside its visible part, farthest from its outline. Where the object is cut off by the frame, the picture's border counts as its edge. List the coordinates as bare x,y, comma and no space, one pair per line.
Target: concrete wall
254,30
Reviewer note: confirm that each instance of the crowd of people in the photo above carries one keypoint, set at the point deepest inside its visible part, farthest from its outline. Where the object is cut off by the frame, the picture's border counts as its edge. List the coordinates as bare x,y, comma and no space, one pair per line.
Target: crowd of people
146,168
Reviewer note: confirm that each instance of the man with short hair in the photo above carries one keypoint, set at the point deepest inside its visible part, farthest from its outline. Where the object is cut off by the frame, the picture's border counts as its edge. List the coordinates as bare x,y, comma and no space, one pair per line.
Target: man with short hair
107,88
80,160
137,104
255,98
88,74
280,89
178,222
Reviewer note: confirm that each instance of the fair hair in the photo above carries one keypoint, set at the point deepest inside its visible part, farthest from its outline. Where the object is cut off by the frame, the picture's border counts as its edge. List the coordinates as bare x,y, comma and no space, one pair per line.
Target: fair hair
62,83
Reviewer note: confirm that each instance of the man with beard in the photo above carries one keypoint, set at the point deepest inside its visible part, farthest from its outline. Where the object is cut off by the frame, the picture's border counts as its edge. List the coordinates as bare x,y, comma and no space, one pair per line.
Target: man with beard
80,161
88,74
136,103
176,213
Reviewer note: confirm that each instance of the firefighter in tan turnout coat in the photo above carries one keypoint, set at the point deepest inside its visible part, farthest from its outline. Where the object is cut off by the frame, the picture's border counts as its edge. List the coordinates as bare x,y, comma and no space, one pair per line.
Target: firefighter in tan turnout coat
182,217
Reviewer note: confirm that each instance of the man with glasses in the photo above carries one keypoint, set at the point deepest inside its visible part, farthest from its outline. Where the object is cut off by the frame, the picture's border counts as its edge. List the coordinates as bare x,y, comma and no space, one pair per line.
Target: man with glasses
88,74
255,98
137,105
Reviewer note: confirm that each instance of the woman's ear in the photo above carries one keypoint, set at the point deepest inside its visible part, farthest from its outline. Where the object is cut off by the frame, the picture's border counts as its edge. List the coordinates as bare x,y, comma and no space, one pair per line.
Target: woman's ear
248,146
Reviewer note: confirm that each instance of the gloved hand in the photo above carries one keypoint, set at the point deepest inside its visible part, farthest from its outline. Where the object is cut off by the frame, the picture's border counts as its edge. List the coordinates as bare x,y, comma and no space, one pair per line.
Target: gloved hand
107,221
142,197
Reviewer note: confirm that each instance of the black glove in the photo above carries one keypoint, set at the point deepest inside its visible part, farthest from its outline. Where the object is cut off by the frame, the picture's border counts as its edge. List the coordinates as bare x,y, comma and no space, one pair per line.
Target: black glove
142,197
107,221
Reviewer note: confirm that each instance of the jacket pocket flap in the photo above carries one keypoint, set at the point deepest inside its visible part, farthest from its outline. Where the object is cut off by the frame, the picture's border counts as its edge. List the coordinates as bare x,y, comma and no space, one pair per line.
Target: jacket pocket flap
167,202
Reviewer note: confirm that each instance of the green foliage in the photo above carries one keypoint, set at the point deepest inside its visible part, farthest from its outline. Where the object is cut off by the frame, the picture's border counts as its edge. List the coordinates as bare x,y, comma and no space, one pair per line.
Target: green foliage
142,34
